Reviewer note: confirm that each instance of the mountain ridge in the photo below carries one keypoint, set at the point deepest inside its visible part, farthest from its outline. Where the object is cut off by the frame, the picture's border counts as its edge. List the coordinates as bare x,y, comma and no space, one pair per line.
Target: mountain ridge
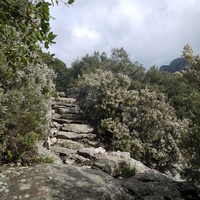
175,65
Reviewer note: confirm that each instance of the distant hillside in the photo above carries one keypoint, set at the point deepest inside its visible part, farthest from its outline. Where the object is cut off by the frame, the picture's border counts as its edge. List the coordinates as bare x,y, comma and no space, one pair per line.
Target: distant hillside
177,64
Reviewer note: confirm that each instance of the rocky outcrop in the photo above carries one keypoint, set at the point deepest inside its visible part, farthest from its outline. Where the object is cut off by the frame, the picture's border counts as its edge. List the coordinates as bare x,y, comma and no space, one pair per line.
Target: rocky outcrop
177,64
84,170
71,182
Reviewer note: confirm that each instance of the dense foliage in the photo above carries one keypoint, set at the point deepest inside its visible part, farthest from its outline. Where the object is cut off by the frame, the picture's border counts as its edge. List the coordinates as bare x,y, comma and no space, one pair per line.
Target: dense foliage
191,76
62,78
25,81
152,114
138,121
118,62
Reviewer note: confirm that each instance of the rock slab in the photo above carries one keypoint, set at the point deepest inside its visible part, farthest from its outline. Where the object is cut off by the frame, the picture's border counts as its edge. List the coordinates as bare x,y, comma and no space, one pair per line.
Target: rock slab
69,182
54,182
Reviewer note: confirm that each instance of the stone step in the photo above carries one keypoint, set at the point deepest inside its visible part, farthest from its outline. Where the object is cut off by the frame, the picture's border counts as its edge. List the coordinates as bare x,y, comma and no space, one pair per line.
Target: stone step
87,152
67,135
62,151
64,101
69,144
60,105
67,121
77,128
91,152
68,110
91,143
74,136
78,158
68,116
72,116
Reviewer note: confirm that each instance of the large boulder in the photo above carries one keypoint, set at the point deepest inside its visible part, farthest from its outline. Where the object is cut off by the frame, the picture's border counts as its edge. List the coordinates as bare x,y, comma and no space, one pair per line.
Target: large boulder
151,190
114,166
126,167
70,182
55,182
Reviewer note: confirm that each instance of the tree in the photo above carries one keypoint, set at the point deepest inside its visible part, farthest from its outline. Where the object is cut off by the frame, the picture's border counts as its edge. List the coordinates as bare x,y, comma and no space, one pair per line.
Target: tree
23,26
118,62
121,63
173,86
191,77
182,90
192,71
62,78
25,112
27,23
87,64
25,81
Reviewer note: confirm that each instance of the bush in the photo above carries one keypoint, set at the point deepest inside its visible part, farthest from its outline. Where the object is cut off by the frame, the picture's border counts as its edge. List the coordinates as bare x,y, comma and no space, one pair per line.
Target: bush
24,112
141,122
25,82
129,171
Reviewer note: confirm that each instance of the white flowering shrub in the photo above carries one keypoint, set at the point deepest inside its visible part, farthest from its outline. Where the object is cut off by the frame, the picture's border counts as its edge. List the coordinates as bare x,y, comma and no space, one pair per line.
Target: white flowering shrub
25,106
191,76
141,122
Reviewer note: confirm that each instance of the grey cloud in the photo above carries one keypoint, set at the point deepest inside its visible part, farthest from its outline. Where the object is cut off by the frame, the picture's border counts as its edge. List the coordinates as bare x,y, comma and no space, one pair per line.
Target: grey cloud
152,32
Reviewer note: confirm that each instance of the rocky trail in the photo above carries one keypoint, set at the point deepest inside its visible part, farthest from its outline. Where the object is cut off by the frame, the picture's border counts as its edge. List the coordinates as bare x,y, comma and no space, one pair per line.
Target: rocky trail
84,170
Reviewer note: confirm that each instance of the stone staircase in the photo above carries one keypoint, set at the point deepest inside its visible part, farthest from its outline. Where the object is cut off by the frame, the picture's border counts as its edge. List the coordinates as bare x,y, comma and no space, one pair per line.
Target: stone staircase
70,137
72,142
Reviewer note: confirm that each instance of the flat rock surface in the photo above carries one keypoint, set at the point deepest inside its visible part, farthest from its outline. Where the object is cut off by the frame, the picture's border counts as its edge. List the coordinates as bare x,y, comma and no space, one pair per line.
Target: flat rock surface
78,128
69,144
86,152
64,101
71,182
68,135
66,110
62,150
54,182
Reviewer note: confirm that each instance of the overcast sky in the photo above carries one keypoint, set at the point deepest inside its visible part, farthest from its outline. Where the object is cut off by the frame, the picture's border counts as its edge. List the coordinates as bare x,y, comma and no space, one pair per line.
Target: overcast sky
152,32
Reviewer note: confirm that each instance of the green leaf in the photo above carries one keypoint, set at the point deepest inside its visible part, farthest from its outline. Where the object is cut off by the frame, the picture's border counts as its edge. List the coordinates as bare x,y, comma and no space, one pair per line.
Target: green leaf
51,36
70,1
31,6
46,45
38,4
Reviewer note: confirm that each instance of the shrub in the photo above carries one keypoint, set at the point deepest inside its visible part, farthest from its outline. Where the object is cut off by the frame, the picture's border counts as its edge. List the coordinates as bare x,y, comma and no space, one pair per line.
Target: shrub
141,122
129,171
24,110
